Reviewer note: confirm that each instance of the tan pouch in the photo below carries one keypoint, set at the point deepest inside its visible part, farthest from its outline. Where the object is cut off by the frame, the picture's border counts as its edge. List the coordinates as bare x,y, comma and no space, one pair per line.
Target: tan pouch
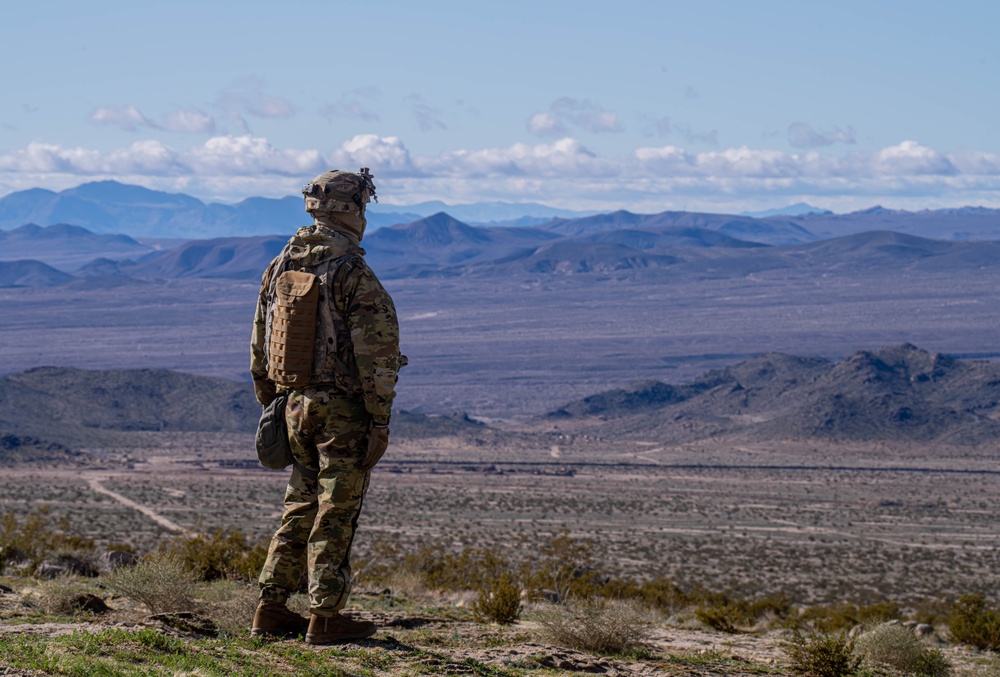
293,329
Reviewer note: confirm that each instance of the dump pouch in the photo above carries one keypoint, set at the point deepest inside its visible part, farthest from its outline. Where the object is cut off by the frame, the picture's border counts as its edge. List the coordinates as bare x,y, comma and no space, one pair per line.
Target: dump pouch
293,329
273,448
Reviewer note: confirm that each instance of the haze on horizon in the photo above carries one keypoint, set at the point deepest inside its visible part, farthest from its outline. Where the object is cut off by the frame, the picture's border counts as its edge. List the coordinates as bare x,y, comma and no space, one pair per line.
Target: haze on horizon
721,106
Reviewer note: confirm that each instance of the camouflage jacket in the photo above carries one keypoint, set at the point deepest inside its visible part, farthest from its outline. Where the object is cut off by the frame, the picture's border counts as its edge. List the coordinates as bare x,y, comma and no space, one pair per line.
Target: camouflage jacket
357,336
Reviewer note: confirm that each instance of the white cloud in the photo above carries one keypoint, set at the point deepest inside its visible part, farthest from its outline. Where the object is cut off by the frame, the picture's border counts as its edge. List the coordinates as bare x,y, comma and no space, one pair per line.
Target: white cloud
127,118
911,158
568,112
130,119
248,156
565,157
563,171
388,154
189,121
545,124
267,106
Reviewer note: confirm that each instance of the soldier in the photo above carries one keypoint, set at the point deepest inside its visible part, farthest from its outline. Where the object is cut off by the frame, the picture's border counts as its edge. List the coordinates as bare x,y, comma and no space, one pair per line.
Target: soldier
326,331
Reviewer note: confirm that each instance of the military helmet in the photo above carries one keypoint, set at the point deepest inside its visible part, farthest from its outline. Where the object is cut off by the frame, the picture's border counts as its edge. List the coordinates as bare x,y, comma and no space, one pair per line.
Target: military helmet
342,197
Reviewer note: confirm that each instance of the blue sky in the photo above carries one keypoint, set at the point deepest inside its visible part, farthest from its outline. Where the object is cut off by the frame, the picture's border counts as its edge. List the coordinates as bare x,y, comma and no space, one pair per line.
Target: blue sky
711,105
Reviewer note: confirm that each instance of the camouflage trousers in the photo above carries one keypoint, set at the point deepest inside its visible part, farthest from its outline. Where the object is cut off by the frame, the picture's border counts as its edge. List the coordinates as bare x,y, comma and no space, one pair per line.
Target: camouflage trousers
328,431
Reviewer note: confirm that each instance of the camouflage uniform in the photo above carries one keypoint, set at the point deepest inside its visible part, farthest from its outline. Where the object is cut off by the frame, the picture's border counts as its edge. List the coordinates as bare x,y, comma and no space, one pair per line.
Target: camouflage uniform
355,366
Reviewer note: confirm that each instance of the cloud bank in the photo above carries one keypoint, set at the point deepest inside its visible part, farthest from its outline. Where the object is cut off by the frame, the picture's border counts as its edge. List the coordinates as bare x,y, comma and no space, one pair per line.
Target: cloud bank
562,171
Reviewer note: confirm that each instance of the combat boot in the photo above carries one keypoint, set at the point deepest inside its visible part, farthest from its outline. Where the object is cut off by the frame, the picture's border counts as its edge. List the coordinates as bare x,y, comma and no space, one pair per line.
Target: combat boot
276,620
337,628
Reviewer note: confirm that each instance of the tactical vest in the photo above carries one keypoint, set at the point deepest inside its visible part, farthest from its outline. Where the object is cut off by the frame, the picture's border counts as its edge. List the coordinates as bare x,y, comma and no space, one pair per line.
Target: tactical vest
308,340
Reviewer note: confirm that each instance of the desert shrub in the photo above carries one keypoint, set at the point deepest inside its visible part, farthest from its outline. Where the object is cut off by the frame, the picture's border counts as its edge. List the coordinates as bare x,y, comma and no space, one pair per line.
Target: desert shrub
120,547
564,566
896,646
601,626
67,596
470,569
974,622
230,605
219,554
822,655
660,593
499,600
725,614
721,618
162,582
845,616
36,536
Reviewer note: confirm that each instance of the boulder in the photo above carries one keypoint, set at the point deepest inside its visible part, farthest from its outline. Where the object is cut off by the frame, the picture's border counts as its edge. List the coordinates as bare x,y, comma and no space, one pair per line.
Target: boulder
91,603
116,559
51,569
63,565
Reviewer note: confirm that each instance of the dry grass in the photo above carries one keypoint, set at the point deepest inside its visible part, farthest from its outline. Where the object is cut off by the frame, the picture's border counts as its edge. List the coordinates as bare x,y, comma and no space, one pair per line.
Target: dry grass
897,647
161,582
601,626
64,596
230,605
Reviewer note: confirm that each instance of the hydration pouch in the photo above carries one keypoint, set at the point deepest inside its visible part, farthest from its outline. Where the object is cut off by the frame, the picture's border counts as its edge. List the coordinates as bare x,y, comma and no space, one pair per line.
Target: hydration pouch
293,329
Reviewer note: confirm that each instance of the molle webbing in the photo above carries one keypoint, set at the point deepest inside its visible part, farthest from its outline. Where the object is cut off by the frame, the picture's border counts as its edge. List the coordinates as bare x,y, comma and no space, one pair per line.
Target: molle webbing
293,330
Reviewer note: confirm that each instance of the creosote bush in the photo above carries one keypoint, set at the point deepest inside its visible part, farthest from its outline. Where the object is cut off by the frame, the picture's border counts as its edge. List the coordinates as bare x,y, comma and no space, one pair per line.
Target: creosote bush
219,554
720,612
601,626
846,616
162,582
974,622
35,537
896,646
822,655
499,600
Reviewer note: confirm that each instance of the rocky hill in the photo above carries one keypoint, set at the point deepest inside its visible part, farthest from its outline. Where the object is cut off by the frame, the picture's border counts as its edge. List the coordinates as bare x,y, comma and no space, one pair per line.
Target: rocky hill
29,273
49,413
772,231
895,393
65,246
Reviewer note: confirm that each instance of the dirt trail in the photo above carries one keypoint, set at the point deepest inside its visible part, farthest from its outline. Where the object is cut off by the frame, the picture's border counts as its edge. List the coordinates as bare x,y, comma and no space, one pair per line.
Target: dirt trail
95,484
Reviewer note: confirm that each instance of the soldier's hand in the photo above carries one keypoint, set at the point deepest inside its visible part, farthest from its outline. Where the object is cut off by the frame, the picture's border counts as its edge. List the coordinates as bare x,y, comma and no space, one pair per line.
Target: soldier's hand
378,442
264,390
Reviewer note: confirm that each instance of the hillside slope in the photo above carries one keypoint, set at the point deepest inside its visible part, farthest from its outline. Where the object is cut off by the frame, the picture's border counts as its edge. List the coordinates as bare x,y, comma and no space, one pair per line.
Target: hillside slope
895,393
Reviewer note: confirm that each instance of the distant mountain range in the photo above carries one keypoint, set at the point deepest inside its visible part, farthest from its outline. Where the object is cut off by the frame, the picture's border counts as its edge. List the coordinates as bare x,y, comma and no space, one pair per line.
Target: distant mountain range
896,393
619,244
797,209
111,207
